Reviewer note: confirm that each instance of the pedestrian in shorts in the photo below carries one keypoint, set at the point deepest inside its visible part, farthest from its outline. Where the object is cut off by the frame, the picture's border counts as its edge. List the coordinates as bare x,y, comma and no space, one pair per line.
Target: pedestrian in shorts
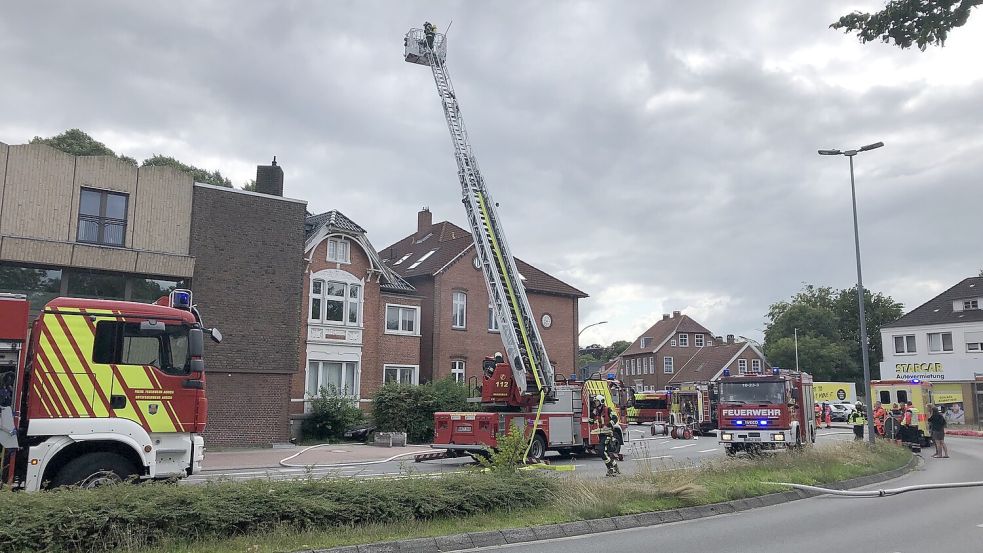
936,425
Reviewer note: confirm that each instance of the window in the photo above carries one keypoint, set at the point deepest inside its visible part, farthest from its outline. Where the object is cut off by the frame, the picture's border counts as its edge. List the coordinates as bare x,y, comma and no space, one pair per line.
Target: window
120,343
742,366
939,341
971,304
402,259
698,340
904,344
422,259
684,340
651,364
107,286
102,217
459,305
974,346
646,340
401,374
902,396
667,365
39,285
402,319
672,342
492,320
335,302
457,370
336,377
885,398
756,366
148,290
338,250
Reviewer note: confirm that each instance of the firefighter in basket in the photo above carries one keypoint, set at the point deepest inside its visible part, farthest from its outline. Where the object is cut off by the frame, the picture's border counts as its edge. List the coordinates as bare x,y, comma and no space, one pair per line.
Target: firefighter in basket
606,420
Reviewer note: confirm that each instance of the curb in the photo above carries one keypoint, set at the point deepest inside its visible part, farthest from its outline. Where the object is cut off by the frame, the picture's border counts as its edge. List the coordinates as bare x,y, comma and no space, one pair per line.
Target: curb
456,542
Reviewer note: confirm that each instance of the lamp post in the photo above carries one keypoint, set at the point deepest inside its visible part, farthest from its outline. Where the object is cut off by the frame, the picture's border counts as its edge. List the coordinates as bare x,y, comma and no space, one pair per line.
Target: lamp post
588,326
860,281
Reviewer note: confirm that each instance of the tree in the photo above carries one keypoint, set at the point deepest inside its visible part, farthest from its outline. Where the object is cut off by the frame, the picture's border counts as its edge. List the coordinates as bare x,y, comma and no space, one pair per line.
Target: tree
828,331
905,22
199,175
250,185
77,143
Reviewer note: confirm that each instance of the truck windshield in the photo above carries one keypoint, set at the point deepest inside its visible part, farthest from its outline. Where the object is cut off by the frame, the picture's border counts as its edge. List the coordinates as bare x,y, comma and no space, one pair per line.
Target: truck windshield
752,392
125,344
651,404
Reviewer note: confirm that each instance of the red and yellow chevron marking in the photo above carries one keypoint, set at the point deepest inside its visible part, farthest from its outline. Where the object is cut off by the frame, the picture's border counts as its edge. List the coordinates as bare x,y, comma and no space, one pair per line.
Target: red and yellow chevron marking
68,384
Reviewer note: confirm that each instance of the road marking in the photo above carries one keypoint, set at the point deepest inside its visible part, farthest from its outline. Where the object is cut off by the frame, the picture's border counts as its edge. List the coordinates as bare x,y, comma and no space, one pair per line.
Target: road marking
656,457
682,446
707,450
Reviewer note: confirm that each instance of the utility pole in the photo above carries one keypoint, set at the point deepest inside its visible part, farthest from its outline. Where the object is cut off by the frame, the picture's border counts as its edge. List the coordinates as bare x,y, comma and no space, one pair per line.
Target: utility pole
796,350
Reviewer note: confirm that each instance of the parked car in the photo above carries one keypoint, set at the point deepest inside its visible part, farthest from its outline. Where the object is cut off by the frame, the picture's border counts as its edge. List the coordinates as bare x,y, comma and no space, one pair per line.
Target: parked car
839,412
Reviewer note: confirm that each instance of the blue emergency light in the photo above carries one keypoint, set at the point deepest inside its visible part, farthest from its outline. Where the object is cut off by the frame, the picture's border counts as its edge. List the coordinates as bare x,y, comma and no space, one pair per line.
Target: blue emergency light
763,423
610,376
181,299
915,381
739,423
726,372
774,370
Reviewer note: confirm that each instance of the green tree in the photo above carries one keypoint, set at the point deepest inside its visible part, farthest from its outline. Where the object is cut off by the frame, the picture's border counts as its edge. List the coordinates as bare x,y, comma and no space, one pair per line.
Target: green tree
909,22
77,143
615,349
879,310
250,185
823,358
199,175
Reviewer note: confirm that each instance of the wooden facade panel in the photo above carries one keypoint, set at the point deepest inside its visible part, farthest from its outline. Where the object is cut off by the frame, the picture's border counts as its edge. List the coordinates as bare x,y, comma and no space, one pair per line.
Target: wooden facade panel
162,217
38,193
39,252
149,263
110,259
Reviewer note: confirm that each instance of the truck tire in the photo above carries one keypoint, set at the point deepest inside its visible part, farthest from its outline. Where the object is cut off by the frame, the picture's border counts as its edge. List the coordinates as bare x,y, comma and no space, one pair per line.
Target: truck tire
93,470
538,448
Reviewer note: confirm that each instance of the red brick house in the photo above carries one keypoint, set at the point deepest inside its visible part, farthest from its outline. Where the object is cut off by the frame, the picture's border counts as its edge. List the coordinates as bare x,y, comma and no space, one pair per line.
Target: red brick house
361,320
458,329
678,349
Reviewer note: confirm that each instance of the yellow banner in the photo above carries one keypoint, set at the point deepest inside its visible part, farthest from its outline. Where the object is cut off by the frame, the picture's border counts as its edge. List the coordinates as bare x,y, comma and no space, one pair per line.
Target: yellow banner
947,393
834,392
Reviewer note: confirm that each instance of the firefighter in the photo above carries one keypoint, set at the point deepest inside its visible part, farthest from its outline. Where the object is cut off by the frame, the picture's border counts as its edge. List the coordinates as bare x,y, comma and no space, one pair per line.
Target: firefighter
858,420
819,415
606,419
827,414
880,415
430,30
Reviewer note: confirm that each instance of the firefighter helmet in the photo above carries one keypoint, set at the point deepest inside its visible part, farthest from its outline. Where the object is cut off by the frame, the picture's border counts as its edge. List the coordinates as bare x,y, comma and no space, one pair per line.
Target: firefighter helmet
599,398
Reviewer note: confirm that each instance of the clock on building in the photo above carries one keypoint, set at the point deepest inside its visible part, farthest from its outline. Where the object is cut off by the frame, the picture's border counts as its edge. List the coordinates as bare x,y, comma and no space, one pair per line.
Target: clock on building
547,320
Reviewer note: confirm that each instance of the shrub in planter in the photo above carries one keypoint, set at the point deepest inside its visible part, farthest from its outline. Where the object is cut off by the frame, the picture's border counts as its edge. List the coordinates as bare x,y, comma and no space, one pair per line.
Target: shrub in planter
408,408
331,415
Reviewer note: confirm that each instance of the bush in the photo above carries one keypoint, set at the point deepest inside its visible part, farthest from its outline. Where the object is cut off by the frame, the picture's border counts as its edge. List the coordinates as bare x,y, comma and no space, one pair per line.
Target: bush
511,452
331,415
128,516
408,408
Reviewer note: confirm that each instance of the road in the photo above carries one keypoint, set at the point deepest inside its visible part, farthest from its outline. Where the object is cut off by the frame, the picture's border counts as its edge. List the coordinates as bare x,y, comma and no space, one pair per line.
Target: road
642,452
933,520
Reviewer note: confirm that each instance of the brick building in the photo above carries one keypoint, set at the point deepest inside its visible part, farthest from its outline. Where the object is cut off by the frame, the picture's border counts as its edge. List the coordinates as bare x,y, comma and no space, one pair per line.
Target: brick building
458,328
678,349
98,227
361,321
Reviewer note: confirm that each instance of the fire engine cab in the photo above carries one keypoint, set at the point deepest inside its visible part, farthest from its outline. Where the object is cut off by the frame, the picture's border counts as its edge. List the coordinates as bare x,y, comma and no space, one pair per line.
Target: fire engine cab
765,411
100,391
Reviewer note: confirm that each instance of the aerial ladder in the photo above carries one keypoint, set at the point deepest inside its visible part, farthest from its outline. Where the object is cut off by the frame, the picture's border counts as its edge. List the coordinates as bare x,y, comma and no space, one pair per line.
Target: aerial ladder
526,355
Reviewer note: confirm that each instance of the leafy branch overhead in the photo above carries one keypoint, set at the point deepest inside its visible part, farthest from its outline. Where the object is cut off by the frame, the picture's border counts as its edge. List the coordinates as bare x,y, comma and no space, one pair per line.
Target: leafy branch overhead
909,22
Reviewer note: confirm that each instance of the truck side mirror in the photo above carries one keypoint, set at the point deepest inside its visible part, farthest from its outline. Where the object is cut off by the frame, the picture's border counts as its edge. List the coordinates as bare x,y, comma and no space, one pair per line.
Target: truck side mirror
215,335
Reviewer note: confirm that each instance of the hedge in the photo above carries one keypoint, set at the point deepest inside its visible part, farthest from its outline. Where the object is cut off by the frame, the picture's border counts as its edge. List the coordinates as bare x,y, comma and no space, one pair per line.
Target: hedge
129,516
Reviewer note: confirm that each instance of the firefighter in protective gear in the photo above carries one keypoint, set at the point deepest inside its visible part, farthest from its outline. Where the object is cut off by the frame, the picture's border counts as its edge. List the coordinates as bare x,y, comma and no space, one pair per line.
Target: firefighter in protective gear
880,415
858,420
429,30
606,419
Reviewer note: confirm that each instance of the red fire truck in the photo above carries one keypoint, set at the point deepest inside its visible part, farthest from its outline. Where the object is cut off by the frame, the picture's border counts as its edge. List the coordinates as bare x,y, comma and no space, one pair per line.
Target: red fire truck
765,411
563,424
101,391
646,407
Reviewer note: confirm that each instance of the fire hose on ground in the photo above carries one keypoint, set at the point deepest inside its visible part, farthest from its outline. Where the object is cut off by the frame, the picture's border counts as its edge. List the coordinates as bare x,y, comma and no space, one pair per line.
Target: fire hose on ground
285,462
879,493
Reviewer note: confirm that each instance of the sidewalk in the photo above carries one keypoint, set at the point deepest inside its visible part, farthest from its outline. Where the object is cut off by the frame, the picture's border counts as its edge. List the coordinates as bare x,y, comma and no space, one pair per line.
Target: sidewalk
322,455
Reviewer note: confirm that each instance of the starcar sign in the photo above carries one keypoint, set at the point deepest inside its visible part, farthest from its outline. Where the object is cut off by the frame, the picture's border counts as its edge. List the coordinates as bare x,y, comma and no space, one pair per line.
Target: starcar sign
771,413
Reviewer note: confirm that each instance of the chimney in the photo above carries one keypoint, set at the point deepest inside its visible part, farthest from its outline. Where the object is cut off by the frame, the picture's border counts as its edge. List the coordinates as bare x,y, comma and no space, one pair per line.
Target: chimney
675,314
719,339
730,338
424,220
269,179
665,316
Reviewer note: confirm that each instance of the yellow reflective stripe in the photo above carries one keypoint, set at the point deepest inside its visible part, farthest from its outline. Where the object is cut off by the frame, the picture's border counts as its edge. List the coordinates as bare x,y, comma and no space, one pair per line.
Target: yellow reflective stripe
59,402
84,339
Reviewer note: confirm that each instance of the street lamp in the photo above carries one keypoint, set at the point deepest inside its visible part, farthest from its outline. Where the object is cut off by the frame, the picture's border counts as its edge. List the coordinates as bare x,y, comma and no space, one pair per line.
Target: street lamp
588,326
860,280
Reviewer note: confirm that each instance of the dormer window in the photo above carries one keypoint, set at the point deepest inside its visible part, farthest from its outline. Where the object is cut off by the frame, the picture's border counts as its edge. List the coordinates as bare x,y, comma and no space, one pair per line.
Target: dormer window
338,250
646,341
971,304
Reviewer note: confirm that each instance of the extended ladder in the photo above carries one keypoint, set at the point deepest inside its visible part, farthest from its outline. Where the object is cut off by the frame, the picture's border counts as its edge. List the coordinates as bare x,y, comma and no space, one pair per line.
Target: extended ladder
524,348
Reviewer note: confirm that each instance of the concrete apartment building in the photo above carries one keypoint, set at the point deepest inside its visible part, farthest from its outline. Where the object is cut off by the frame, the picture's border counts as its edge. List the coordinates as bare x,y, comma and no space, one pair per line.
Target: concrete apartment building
102,228
678,349
361,321
941,341
457,327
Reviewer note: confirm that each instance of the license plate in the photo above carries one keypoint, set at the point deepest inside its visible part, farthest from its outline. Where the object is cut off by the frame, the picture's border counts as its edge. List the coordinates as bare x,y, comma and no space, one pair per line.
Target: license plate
464,428
754,439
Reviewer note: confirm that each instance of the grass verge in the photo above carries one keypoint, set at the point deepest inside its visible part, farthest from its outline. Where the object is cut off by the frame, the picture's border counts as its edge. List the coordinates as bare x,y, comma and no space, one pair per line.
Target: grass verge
288,516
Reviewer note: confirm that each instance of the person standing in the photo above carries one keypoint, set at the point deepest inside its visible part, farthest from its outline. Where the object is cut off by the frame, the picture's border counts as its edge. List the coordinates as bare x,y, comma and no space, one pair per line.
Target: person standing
605,419
827,414
936,425
858,420
430,31
880,415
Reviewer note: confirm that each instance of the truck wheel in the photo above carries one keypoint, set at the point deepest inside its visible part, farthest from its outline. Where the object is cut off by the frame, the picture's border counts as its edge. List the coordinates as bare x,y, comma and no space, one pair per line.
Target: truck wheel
538,448
93,470
687,434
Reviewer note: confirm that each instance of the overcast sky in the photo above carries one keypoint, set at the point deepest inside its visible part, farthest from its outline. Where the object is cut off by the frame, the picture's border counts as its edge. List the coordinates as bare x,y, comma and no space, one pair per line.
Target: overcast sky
658,155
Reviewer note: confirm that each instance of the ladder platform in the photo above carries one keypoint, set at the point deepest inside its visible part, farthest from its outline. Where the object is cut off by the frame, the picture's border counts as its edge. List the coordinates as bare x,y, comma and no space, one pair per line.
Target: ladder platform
415,46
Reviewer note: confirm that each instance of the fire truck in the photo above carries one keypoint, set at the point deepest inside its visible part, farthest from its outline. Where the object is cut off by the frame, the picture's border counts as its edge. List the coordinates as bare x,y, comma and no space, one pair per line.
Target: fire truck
518,387
101,391
648,407
765,411
694,406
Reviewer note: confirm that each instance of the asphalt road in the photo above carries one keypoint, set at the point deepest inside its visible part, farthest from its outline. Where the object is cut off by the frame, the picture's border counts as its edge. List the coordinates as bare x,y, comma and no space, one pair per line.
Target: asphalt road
933,520
643,452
